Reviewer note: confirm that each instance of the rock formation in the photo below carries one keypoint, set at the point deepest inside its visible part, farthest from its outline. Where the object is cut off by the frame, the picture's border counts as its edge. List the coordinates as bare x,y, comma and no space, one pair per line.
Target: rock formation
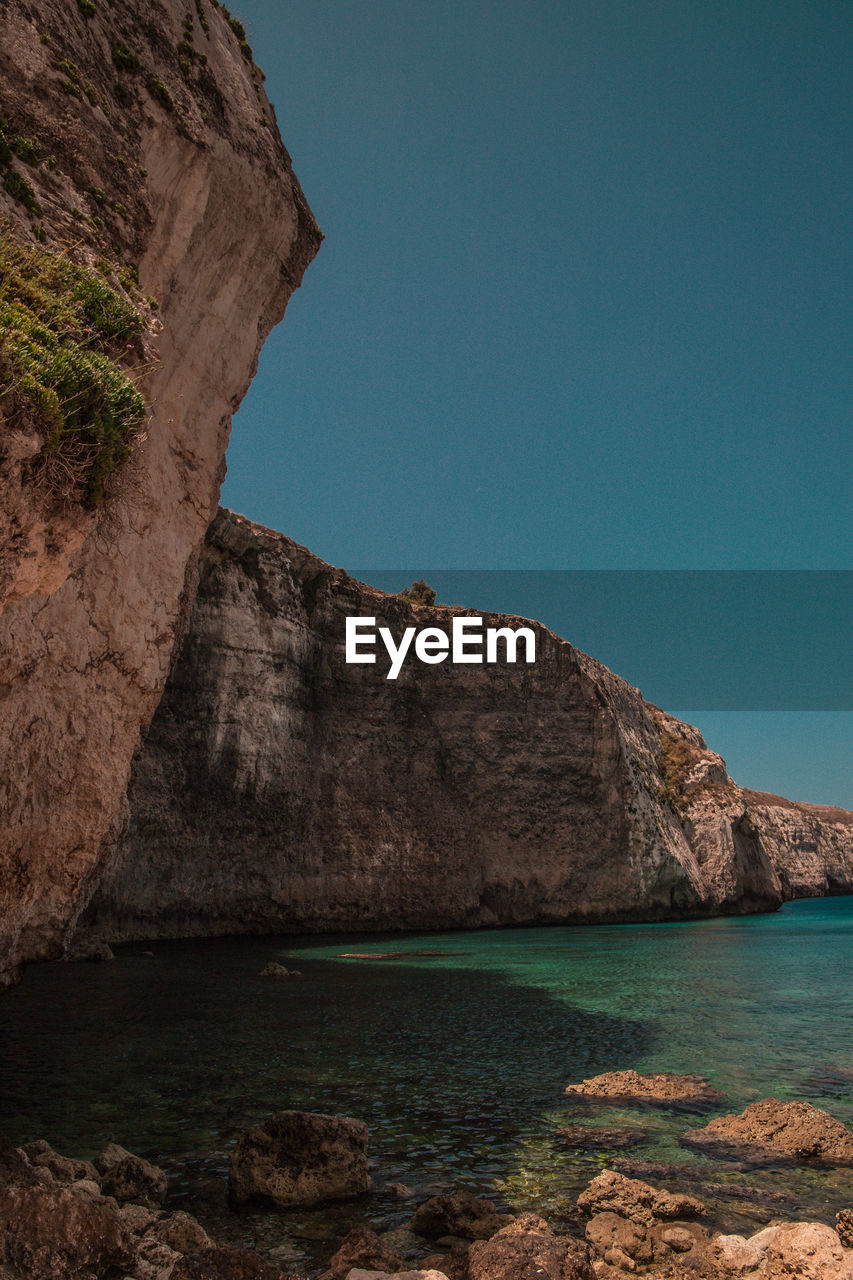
136,141
281,788
659,1087
301,1157
769,1129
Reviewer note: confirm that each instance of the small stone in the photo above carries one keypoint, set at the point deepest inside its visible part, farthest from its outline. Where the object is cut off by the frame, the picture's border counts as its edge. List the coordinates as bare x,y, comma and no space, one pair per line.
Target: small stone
678,1239
616,1257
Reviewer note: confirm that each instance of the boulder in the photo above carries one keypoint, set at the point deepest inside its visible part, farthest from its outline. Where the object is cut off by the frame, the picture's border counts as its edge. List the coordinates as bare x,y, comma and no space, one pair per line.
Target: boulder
362,1249
458,1214
659,1087
301,1157
635,1201
128,1177
527,1249
771,1129
48,1233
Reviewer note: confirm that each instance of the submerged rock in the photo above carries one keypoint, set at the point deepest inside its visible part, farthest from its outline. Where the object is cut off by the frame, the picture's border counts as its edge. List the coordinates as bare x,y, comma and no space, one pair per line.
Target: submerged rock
458,1214
128,1177
527,1249
770,1129
586,1138
275,970
301,1157
662,1086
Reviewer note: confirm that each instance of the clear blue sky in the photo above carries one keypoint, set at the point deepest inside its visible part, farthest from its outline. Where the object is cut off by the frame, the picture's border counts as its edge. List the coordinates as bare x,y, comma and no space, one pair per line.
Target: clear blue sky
584,300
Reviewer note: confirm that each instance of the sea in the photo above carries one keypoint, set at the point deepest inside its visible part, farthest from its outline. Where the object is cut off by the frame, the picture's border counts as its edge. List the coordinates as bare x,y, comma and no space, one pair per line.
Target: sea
455,1048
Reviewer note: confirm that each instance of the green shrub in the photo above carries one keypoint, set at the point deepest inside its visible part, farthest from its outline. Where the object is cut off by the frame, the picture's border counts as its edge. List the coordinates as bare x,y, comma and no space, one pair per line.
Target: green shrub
124,59
87,8
62,329
21,190
160,92
418,593
27,149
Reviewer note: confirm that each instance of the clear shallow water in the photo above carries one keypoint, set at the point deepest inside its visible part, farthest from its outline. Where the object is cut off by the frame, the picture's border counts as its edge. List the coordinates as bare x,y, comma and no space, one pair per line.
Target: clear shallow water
455,1048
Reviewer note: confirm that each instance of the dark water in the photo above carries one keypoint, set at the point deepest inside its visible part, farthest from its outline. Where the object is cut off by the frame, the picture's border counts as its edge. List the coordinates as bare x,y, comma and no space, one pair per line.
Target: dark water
455,1048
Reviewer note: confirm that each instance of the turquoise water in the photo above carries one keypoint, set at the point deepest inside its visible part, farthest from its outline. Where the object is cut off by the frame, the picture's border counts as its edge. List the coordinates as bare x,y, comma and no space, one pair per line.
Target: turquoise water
455,1048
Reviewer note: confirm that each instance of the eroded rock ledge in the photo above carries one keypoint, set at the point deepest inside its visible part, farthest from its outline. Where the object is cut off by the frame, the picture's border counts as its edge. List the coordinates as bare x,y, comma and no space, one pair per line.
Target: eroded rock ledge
281,789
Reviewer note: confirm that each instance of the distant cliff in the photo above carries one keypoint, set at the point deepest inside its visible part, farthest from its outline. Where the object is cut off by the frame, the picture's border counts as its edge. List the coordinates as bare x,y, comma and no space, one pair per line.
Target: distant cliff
144,195
280,788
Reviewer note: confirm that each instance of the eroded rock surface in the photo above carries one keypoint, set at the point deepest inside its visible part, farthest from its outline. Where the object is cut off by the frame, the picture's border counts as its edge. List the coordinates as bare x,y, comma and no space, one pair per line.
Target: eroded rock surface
178,172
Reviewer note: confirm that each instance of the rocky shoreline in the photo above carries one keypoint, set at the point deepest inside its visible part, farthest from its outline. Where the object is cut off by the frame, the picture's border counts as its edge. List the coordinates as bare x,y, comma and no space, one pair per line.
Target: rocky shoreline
71,1219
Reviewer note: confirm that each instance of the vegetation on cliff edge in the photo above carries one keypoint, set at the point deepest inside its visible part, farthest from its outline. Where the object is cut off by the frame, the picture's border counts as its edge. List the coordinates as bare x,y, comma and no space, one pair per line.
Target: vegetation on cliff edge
62,331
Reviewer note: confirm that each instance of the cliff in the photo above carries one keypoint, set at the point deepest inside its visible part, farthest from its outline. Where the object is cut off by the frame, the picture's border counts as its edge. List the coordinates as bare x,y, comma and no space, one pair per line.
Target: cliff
280,788
141,177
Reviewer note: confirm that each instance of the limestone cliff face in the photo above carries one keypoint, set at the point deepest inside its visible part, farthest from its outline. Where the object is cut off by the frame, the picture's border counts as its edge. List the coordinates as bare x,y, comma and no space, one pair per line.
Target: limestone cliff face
810,845
280,788
165,157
